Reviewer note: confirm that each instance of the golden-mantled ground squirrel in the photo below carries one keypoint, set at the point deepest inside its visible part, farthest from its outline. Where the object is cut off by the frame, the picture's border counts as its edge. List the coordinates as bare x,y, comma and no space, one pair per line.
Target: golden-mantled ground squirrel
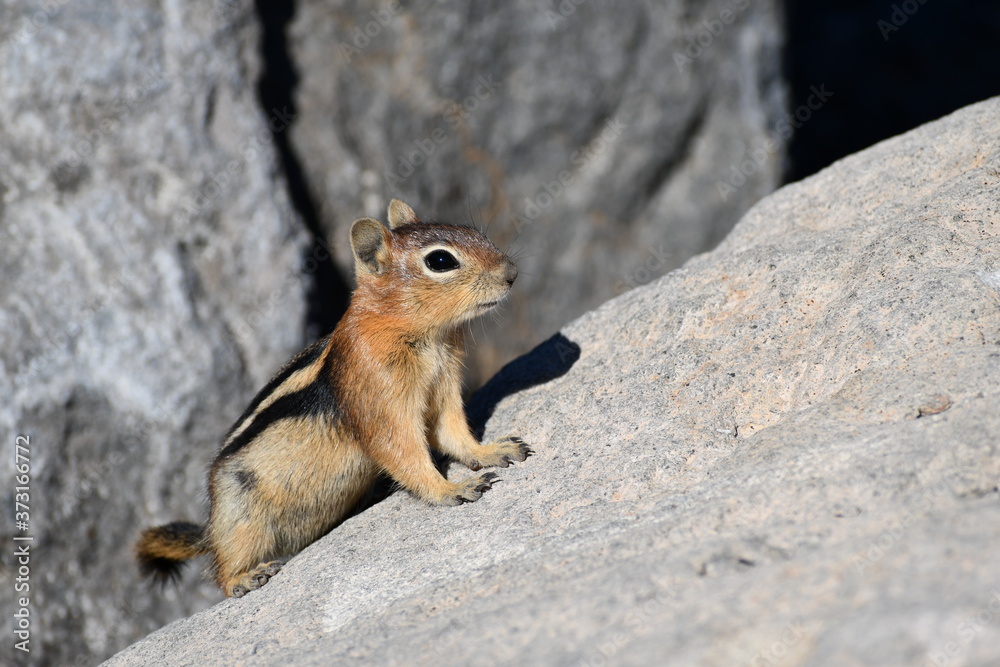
371,397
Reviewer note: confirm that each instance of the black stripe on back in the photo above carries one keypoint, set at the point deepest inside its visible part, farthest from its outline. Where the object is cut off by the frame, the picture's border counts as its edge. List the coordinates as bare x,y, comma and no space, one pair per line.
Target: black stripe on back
319,398
297,363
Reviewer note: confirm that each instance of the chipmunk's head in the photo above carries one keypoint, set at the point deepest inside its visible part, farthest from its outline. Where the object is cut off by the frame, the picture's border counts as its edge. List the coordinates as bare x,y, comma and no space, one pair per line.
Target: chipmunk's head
438,275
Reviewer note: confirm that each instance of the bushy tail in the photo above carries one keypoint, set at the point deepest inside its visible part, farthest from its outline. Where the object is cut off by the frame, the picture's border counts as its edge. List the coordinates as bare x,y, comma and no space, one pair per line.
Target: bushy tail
162,550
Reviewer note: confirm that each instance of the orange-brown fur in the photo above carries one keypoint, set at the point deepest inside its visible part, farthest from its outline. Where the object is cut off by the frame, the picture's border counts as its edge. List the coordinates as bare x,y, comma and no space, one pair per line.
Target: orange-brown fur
372,397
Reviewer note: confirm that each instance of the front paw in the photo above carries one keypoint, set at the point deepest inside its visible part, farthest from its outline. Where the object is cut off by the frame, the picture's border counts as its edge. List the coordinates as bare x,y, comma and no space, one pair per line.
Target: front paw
503,451
471,489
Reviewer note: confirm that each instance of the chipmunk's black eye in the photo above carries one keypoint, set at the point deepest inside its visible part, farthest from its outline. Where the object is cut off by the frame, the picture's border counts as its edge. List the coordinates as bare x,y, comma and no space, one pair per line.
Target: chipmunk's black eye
441,261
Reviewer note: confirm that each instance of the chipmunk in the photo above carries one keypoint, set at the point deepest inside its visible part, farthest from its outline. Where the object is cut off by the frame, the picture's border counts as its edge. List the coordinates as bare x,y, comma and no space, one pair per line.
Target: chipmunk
373,396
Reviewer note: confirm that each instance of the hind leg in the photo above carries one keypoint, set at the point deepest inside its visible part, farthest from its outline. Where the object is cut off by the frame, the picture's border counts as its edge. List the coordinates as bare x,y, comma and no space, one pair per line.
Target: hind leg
244,558
241,584
240,534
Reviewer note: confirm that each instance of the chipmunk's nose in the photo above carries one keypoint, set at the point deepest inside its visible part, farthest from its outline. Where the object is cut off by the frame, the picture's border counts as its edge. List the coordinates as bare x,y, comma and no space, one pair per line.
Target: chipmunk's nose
510,273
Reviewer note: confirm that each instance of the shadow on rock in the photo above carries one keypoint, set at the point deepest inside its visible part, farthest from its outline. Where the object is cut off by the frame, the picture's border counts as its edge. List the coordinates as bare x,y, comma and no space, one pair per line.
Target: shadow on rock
550,360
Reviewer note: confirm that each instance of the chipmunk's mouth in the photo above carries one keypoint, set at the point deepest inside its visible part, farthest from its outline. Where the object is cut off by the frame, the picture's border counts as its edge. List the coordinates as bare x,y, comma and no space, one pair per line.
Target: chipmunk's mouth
481,309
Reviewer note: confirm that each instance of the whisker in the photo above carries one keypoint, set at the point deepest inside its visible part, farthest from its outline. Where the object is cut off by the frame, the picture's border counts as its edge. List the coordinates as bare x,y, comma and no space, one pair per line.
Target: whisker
520,255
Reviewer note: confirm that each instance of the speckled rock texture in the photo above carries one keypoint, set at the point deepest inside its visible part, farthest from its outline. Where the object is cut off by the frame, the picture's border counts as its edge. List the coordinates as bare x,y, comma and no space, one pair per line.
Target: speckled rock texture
590,137
151,278
783,453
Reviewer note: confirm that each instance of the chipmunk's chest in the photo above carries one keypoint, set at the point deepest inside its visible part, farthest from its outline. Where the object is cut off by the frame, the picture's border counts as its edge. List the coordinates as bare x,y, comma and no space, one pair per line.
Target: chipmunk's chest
429,361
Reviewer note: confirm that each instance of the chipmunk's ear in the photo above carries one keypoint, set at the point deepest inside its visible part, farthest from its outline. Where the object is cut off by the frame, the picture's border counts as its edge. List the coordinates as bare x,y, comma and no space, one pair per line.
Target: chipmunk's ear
370,243
400,214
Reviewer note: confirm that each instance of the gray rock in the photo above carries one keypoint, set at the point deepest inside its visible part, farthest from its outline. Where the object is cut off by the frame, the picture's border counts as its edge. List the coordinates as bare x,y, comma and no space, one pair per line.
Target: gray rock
151,284
642,109
784,452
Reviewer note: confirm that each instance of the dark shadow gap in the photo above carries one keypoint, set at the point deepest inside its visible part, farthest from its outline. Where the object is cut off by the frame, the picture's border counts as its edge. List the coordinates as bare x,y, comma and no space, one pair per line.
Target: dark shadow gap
329,292
890,66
